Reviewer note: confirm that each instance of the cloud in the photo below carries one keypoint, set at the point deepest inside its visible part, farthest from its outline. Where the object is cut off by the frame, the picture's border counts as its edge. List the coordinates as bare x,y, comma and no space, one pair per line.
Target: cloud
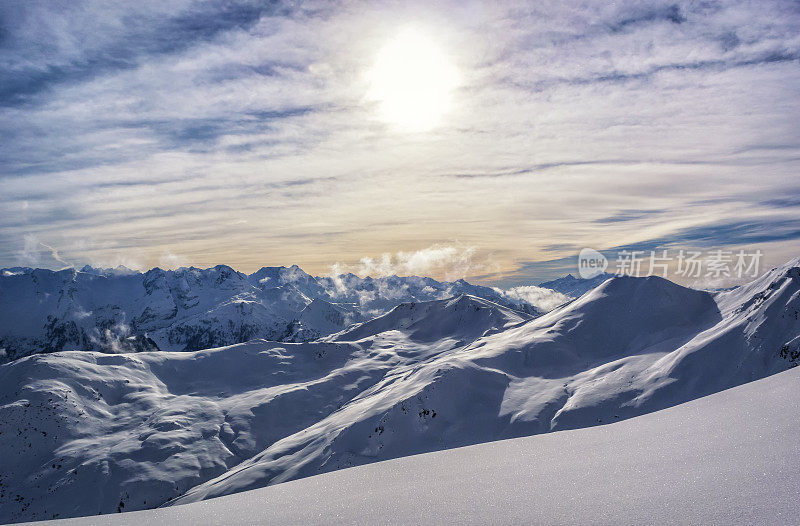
35,253
542,298
75,47
449,261
113,339
30,254
55,255
240,133
169,261
627,215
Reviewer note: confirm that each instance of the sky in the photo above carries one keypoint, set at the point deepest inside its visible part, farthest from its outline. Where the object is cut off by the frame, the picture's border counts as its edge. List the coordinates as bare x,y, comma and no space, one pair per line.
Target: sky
255,133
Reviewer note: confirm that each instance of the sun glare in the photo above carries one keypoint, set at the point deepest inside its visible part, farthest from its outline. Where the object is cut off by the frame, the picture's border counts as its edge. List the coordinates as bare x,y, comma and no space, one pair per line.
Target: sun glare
412,81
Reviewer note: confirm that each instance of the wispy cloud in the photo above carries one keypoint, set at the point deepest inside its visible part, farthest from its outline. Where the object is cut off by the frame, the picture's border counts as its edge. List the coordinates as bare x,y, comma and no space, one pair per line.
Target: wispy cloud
545,299
448,261
627,215
171,261
35,253
240,132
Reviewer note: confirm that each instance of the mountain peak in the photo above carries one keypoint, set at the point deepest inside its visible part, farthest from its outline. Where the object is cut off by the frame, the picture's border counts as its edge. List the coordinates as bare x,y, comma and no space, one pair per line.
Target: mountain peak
629,314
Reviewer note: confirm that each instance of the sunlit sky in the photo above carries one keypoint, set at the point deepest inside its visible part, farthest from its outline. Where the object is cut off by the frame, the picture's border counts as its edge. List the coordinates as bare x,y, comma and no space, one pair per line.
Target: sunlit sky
461,139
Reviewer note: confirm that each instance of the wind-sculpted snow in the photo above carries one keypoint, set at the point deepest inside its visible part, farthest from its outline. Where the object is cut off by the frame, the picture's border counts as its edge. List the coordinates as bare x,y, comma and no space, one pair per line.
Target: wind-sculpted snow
189,309
86,433
725,459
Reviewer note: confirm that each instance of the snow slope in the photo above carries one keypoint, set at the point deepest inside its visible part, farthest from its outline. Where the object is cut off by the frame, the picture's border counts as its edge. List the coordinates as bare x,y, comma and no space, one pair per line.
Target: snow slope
729,458
464,318
86,433
189,309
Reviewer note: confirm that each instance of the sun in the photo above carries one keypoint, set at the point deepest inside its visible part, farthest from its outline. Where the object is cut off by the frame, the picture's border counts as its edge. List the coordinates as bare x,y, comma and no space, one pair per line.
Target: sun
412,81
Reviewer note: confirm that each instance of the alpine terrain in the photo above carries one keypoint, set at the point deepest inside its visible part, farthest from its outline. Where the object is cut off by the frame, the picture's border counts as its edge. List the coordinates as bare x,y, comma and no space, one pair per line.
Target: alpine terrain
87,432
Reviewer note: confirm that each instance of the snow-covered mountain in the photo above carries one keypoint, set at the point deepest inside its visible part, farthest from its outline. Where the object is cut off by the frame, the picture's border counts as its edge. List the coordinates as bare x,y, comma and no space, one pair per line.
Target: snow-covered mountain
728,458
574,287
120,310
87,432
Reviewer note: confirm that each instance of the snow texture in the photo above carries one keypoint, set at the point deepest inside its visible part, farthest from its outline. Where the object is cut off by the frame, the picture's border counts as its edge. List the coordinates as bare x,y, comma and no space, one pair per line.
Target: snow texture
729,458
87,432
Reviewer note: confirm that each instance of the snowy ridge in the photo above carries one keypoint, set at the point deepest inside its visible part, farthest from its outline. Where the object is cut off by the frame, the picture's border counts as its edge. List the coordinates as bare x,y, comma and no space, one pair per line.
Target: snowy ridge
729,458
463,318
96,433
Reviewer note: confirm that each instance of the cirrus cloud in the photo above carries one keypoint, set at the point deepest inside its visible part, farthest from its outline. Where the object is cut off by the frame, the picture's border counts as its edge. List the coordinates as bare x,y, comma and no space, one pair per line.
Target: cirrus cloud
241,132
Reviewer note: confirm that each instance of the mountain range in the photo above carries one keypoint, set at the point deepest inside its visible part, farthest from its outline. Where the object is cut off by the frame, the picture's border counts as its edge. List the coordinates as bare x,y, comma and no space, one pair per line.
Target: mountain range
88,432
121,310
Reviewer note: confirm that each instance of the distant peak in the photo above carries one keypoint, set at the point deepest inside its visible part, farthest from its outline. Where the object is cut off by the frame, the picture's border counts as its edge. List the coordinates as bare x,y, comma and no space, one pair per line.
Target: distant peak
624,284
